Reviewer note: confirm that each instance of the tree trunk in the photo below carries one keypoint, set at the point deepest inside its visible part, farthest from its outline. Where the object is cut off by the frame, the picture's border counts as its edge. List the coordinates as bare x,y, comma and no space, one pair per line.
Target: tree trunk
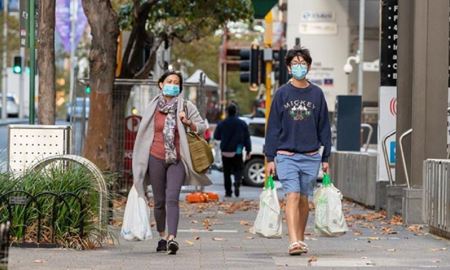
104,30
46,63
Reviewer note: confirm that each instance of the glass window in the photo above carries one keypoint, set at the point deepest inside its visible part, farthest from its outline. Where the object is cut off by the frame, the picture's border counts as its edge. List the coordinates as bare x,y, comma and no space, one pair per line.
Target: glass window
257,130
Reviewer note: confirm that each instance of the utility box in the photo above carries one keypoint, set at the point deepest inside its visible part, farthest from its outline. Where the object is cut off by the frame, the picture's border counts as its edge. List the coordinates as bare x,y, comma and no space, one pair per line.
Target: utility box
28,144
348,123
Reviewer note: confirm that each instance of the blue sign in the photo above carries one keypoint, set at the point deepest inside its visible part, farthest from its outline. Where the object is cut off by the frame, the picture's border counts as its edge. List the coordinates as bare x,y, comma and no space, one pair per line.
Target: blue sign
392,153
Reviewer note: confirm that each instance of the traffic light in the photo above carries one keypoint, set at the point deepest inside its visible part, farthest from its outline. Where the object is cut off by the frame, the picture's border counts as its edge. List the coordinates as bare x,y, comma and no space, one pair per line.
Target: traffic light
87,89
279,66
17,67
249,66
284,75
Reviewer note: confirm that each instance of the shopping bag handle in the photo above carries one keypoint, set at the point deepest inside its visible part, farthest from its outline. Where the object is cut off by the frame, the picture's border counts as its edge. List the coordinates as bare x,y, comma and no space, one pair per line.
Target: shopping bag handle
326,181
269,183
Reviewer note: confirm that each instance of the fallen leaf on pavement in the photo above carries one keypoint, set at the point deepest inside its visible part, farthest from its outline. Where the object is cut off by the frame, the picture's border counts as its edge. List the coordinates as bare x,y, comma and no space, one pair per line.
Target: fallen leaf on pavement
439,249
417,229
388,230
206,223
250,237
312,259
245,223
189,242
197,238
357,233
194,221
39,261
396,220
218,239
391,250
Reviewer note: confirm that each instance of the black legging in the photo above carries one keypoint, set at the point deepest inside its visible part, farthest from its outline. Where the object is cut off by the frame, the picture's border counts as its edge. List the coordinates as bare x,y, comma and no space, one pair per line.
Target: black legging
166,181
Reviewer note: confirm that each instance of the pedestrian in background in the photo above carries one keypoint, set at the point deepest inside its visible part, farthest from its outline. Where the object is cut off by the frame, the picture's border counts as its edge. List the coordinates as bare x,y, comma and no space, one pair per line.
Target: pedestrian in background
298,126
234,136
161,155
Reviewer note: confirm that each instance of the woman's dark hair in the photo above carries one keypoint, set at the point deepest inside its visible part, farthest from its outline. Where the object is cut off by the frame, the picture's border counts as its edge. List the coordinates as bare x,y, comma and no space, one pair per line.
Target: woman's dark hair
172,72
298,51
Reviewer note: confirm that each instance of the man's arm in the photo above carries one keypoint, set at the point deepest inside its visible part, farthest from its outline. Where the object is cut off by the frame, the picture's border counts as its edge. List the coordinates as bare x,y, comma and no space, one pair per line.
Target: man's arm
273,129
217,133
324,130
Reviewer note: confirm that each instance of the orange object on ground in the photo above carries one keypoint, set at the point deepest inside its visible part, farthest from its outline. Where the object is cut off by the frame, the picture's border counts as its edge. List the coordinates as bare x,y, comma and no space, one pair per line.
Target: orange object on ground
202,197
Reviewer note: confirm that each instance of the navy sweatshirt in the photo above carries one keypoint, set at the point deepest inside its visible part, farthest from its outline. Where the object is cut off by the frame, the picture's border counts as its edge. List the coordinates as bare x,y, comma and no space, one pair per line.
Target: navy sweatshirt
298,122
233,132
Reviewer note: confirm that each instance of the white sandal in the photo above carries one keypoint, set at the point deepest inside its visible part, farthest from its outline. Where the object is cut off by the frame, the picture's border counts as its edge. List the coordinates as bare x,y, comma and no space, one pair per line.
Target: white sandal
303,246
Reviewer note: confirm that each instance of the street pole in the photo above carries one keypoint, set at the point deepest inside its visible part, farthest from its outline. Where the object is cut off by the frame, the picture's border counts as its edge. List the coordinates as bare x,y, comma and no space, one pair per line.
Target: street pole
32,33
73,60
5,60
268,80
361,47
21,83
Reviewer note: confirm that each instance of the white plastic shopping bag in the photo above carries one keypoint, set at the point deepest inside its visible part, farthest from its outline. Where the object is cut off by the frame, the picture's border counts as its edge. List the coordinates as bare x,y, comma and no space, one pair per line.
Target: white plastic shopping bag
136,220
329,217
268,221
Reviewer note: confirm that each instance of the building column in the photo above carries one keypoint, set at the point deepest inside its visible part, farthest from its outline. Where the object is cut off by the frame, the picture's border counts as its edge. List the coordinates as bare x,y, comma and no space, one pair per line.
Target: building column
429,84
404,84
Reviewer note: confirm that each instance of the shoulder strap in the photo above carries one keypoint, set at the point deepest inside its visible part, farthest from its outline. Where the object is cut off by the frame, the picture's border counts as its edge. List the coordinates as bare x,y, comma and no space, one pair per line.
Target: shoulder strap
185,108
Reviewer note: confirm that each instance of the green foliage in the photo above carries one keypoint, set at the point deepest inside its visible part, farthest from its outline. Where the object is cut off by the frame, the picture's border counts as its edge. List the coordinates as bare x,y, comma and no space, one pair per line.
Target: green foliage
59,180
187,20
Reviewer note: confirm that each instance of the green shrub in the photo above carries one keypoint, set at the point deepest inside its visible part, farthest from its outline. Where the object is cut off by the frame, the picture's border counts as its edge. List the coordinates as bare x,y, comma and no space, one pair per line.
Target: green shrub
58,179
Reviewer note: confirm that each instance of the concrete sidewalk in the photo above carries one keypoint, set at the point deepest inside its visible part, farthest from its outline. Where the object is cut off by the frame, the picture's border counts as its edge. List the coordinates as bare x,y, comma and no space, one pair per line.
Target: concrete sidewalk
215,236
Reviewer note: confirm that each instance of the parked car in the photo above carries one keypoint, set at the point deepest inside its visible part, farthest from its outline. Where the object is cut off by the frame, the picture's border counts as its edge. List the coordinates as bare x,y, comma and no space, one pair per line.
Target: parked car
12,108
76,109
254,174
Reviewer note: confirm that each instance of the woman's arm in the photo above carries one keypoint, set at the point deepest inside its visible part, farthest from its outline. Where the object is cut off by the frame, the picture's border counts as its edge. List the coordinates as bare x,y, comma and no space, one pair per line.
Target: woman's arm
197,124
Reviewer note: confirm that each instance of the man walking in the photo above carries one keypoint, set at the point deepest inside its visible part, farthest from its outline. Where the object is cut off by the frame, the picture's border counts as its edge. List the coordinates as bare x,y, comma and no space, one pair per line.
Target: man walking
298,126
234,136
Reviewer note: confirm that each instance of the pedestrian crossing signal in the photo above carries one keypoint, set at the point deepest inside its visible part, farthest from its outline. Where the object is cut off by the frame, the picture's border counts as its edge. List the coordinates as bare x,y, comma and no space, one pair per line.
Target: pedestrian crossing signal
87,89
17,67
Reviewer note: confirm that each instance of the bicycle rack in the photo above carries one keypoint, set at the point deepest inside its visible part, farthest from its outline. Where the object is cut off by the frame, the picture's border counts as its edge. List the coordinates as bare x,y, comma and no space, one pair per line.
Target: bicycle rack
402,153
386,156
369,136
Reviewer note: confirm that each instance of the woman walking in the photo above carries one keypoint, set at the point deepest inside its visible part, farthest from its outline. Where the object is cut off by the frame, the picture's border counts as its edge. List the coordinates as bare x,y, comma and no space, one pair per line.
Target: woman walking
161,155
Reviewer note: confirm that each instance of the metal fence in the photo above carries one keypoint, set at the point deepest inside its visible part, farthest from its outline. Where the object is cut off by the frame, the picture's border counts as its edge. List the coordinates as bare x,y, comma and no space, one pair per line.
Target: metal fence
130,100
436,199
29,207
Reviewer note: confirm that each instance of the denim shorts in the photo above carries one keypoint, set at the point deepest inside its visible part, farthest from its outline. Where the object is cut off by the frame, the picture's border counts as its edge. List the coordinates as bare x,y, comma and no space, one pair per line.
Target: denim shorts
298,173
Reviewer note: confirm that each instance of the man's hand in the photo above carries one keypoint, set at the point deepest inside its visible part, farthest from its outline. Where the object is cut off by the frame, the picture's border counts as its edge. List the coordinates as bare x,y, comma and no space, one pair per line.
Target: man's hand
270,169
248,156
325,167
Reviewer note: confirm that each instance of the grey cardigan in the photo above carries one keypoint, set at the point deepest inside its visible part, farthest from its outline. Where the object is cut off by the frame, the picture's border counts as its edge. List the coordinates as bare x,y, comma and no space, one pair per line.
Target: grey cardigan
144,140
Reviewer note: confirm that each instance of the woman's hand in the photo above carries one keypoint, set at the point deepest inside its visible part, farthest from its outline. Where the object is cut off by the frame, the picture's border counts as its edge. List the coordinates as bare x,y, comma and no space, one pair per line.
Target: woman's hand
187,122
184,119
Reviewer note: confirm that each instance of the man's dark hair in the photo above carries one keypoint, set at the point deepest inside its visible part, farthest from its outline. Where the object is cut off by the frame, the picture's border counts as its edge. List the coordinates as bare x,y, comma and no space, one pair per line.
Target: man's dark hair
231,110
298,51
172,72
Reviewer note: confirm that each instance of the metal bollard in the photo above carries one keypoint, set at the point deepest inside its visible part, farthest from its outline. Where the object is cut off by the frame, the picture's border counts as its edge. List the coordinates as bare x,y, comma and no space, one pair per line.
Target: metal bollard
4,245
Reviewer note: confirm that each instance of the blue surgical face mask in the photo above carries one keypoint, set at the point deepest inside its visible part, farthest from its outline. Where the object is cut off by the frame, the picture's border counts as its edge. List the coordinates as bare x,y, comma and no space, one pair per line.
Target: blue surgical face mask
299,71
171,90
